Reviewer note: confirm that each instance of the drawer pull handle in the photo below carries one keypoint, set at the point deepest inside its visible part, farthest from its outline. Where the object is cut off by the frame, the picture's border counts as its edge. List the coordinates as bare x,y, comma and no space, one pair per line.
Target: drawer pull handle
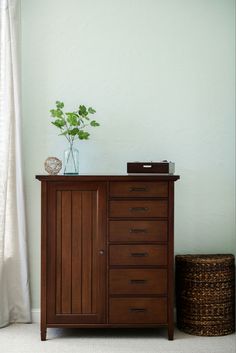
139,209
137,230
137,189
138,281
139,254
147,166
137,310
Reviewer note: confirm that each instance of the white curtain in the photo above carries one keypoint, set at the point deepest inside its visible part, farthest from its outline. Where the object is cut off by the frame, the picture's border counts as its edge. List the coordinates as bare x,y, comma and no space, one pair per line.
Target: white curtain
14,280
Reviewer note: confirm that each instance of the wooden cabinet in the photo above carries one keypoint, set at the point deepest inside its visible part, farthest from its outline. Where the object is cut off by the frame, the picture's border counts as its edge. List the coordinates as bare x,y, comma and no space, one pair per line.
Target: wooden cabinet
107,251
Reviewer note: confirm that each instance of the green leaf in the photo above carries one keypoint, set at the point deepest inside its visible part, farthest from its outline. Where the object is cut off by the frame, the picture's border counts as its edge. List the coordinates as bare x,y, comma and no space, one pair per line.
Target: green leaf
94,123
79,119
91,110
56,113
73,123
59,105
59,113
86,135
83,135
53,113
72,119
83,111
59,123
74,131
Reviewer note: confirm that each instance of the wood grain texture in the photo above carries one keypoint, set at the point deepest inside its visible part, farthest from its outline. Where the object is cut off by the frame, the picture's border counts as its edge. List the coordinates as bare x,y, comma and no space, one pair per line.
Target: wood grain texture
138,310
43,297
66,282
76,252
138,281
138,189
138,231
171,263
90,279
51,252
139,209
106,178
87,251
138,255
58,253
77,275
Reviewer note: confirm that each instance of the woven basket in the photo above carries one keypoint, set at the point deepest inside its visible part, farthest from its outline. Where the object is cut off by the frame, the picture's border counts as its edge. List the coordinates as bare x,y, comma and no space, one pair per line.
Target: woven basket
205,294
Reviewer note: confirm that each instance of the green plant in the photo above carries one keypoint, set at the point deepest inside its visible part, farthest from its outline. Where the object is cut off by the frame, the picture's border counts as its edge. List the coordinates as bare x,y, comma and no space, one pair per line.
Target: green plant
73,125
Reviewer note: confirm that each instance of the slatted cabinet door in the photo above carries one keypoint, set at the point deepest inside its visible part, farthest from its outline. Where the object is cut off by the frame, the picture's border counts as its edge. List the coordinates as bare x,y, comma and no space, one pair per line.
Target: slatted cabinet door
76,253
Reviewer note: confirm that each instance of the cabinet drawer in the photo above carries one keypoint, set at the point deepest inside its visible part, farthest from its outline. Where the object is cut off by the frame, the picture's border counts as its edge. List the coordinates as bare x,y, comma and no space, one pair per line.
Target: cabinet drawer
139,209
134,231
138,189
138,255
138,311
138,281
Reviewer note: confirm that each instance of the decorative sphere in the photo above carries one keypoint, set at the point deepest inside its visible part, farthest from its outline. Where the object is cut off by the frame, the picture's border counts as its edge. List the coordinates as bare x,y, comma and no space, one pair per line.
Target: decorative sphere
52,165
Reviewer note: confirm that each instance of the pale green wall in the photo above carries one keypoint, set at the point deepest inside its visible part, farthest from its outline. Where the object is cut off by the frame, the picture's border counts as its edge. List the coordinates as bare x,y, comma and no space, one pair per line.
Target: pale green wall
161,75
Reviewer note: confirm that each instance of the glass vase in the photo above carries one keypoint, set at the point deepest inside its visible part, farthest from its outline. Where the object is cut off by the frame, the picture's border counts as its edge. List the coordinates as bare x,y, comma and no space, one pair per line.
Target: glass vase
71,161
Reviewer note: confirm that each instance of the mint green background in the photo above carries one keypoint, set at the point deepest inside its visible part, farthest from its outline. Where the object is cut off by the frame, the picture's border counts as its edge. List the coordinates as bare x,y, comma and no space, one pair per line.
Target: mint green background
161,75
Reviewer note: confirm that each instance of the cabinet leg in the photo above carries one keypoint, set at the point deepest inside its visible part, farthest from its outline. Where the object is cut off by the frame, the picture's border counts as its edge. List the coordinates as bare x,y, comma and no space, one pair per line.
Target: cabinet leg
170,333
43,334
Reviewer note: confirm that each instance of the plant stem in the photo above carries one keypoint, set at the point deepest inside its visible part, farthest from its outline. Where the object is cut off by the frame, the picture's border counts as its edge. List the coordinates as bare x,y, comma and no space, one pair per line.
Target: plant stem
71,148
68,137
66,163
72,156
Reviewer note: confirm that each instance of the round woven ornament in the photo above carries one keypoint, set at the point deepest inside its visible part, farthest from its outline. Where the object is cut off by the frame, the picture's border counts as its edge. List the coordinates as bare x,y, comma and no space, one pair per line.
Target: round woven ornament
52,165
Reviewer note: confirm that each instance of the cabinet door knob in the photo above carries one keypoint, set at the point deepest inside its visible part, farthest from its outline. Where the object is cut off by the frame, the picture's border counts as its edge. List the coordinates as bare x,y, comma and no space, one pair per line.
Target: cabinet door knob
101,252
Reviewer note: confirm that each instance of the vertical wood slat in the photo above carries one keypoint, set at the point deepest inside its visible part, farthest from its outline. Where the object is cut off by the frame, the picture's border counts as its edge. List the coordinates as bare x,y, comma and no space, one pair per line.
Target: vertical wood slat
66,252
50,247
76,287
170,290
94,257
58,252
44,266
76,252
86,251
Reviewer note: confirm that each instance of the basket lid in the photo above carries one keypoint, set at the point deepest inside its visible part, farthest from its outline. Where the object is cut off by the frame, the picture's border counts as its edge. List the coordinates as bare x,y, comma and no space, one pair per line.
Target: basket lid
205,258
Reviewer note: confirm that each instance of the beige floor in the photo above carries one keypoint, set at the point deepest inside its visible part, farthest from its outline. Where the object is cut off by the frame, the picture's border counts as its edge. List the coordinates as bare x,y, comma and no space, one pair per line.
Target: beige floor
24,338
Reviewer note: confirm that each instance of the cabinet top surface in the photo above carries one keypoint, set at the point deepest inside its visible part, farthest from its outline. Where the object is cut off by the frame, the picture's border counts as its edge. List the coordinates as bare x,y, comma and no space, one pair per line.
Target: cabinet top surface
122,177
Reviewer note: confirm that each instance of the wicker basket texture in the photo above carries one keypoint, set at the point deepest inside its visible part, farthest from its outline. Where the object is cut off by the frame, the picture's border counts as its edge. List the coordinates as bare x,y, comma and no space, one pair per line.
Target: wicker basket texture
205,294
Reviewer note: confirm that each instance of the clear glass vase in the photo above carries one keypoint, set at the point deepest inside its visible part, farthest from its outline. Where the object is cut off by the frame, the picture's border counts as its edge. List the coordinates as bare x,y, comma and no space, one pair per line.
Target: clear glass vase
71,161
